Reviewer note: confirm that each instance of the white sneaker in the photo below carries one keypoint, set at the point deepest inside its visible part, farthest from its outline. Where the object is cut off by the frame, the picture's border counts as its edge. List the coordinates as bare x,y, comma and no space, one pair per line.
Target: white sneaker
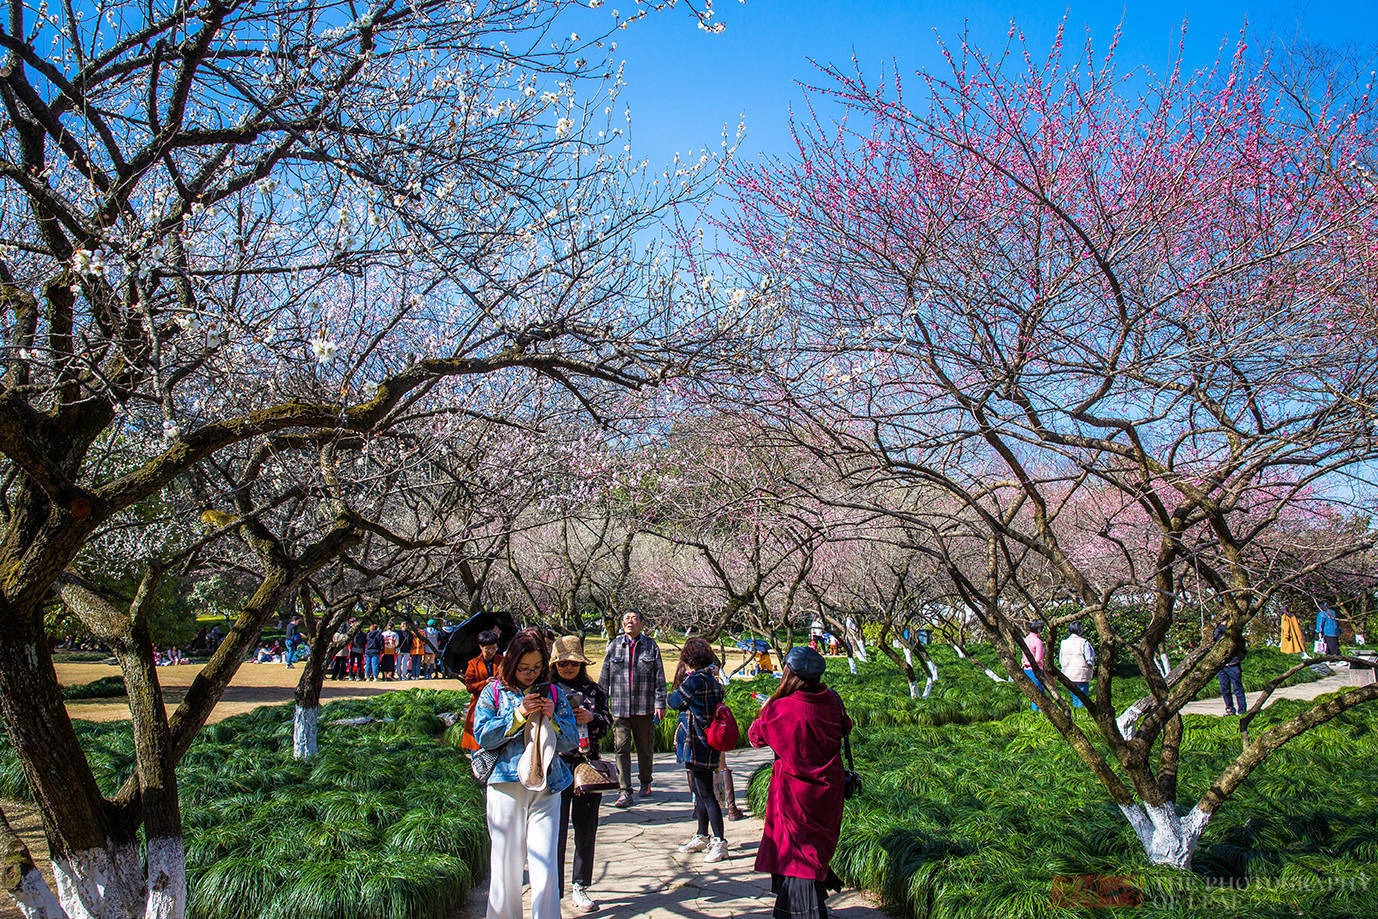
697,843
580,898
717,850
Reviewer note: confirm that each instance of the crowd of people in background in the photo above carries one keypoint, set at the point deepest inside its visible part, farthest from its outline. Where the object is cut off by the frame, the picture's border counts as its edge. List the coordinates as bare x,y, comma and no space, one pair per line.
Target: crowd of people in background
1077,656
394,650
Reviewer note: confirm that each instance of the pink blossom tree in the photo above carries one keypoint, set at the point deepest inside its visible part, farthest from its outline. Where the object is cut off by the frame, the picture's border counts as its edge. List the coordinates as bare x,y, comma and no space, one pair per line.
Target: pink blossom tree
1022,279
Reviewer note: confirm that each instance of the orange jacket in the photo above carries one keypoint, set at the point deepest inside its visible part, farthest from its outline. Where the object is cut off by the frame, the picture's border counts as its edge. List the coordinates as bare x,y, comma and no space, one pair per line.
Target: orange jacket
476,675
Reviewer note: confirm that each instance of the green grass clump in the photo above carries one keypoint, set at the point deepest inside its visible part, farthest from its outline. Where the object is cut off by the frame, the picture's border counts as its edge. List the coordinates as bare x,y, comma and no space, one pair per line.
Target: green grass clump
980,819
107,687
386,821
80,657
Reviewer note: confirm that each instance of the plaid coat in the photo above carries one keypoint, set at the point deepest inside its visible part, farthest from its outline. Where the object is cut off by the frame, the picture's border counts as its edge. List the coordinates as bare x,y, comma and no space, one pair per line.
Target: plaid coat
697,699
633,676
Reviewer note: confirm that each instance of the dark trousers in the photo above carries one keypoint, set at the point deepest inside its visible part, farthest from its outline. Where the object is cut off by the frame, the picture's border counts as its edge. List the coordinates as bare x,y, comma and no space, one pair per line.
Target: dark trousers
1231,679
337,667
582,810
1331,644
707,810
355,667
624,730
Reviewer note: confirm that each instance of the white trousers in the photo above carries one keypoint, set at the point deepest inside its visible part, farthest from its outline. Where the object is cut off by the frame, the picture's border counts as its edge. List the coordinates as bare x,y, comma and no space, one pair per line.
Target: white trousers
524,827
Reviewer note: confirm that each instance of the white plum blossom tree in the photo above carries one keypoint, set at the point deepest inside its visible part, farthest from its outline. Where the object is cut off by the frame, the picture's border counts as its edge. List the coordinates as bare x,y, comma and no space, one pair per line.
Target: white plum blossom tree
225,222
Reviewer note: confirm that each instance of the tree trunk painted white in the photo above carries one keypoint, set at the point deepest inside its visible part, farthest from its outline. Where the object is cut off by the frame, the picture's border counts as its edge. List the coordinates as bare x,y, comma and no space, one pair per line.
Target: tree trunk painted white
851,665
167,879
1128,721
927,687
861,650
35,898
995,677
908,656
1168,839
304,721
913,689
1164,664
960,652
103,883
932,670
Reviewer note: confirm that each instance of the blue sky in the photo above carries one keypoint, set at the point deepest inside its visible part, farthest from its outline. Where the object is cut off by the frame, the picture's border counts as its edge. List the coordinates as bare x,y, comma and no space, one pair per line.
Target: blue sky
684,85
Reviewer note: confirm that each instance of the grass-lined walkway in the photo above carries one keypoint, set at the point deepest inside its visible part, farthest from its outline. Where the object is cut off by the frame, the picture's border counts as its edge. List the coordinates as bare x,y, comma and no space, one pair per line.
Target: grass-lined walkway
638,873
1333,683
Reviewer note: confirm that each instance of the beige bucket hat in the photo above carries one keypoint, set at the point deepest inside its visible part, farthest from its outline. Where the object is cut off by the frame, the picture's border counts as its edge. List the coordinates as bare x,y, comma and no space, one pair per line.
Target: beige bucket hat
568,648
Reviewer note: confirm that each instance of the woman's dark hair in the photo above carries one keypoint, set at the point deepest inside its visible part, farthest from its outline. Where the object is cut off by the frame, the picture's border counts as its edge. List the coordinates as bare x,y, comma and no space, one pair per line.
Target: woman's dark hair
697,654
1036,626
1074,628
791,682
487,637
522,644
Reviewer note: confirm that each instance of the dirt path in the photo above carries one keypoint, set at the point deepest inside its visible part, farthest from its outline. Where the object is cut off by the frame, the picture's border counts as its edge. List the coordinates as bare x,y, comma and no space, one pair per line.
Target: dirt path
638,872
271,684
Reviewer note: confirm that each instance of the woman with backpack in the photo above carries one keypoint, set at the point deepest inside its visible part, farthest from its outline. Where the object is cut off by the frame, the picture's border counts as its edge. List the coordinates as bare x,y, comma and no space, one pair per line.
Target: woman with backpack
523,722
697,696
804,723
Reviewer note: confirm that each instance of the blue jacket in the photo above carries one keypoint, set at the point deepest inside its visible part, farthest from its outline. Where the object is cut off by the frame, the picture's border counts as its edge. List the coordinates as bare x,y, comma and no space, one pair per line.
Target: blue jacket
1326,623
697,699
498,725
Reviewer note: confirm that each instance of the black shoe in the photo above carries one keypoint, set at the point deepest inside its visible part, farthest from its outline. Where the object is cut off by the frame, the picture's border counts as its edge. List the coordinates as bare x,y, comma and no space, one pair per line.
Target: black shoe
623,800
646,790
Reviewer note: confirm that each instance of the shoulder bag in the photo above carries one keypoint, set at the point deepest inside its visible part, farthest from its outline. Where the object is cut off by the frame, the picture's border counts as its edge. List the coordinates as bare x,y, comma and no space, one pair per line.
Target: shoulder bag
483,760
593,776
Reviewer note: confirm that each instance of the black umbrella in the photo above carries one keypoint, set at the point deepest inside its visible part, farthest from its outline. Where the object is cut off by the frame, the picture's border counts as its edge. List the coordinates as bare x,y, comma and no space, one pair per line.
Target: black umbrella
462,646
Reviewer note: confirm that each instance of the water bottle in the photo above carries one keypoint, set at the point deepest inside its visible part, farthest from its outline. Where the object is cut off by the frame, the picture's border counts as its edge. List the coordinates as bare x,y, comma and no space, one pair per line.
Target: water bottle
576,700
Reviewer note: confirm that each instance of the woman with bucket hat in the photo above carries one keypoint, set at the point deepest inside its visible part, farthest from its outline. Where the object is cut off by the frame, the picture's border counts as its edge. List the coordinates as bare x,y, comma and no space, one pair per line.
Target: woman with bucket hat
804,724
594,718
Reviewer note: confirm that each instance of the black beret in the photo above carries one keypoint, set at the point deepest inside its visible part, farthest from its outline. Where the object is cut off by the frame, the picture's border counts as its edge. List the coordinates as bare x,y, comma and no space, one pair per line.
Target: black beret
806,662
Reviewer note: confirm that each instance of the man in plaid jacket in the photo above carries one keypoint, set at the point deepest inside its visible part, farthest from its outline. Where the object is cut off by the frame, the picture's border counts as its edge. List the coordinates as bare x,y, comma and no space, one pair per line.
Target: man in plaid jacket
634,679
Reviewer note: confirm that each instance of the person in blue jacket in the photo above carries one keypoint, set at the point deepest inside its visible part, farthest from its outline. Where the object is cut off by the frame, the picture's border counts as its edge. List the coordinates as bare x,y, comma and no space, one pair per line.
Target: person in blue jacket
1328,629
524,821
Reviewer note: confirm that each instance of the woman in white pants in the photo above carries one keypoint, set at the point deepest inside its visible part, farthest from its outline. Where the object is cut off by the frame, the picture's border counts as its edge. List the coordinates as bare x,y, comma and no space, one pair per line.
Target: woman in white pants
516,716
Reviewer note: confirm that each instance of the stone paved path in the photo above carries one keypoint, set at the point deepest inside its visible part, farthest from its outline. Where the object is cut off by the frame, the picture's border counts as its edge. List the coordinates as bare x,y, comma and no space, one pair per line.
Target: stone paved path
1333,683
638,872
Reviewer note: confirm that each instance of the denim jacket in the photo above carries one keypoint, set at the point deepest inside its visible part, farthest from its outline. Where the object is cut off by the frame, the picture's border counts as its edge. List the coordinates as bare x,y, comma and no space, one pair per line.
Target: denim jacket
499,725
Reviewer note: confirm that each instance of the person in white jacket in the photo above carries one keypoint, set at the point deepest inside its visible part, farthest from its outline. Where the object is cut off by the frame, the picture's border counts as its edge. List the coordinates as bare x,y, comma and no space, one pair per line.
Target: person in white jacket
1075,657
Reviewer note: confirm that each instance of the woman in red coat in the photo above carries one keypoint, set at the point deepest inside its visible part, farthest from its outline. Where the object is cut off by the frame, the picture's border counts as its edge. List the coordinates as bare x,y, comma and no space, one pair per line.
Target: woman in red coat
804,723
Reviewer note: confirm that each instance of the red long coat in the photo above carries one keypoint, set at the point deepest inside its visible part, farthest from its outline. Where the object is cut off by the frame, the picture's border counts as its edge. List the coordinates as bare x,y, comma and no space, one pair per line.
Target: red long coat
804,807
478,673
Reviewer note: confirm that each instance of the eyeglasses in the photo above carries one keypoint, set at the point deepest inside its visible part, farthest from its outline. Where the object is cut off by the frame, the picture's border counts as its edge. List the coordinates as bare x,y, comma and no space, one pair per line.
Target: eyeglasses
566,663
536,669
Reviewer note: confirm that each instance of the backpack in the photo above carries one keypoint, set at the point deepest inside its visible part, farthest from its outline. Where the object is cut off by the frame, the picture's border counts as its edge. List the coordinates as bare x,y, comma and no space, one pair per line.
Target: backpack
722,732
